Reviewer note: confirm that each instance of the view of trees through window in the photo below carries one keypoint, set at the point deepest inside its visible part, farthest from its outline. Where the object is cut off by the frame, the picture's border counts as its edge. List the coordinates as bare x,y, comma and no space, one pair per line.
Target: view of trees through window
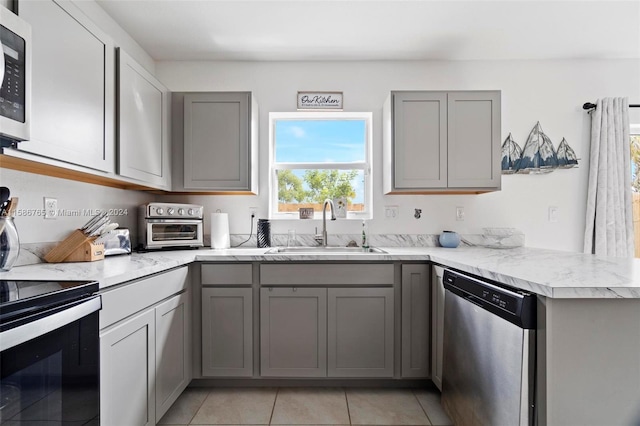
310,188
318,158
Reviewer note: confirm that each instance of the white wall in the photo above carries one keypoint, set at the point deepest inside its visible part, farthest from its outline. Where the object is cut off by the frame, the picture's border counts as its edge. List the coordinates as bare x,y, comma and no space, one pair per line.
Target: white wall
72,197
551,92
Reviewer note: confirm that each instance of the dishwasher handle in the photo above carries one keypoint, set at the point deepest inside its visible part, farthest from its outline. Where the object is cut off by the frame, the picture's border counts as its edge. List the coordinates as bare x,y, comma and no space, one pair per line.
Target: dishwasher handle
516,306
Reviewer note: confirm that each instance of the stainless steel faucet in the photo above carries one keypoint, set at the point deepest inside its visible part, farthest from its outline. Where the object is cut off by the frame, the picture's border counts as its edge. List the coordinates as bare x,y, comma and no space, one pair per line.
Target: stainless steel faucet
324,219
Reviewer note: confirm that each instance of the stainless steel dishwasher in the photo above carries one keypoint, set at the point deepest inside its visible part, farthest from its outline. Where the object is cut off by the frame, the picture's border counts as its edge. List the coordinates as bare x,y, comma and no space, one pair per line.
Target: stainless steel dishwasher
489,352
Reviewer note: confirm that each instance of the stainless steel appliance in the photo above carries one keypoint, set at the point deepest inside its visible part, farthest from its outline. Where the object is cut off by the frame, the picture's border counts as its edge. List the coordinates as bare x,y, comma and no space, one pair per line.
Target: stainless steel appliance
170,225
489,352
15,77
49,352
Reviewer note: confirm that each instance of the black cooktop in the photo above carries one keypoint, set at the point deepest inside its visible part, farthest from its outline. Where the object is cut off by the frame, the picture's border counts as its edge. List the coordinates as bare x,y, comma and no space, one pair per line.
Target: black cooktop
21,298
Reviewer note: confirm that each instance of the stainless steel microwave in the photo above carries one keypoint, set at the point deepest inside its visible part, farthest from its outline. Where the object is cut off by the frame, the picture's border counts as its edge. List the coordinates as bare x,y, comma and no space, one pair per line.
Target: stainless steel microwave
15,76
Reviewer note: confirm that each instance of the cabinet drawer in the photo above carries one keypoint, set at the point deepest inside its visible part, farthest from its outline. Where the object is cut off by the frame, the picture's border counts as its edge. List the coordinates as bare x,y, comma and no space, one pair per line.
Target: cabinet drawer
228,274
130,298
326,274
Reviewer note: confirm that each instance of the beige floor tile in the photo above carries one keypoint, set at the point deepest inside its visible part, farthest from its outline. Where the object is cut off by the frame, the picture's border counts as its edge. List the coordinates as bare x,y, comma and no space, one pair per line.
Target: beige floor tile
385,407
241,406
430,401
310,406
185,407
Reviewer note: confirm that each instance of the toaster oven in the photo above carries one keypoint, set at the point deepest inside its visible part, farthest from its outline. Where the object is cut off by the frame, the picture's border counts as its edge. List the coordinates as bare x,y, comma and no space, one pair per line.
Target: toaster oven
170,225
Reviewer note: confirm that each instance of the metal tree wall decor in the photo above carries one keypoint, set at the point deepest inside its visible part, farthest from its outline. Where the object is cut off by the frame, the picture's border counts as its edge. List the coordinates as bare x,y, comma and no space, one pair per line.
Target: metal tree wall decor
566,157
538,155
511,152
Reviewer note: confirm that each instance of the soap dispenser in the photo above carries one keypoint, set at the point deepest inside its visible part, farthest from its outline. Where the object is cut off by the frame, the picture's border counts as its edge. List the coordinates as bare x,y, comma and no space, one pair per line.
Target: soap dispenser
365,238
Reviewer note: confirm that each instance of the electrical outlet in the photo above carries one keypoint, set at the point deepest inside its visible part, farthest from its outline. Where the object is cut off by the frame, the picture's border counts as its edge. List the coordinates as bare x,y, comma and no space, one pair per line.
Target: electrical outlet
459,213
391,212
253,211
50,208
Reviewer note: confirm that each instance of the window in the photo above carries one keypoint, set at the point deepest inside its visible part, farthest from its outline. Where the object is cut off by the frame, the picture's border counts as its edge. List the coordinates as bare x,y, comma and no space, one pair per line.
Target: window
318,155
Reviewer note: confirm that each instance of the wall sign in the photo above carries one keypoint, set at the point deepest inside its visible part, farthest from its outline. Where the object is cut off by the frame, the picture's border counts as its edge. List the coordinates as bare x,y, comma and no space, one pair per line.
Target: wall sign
319,100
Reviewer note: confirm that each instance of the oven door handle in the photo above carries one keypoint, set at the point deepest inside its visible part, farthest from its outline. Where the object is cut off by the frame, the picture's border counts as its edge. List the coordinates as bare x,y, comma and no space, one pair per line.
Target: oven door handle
48,321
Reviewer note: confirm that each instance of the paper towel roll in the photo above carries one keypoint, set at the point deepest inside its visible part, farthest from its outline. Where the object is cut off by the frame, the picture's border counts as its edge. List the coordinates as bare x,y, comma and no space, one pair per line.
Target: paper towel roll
220,231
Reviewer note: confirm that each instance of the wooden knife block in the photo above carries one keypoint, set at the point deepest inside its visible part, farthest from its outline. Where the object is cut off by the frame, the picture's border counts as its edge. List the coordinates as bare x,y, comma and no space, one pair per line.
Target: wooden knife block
77,247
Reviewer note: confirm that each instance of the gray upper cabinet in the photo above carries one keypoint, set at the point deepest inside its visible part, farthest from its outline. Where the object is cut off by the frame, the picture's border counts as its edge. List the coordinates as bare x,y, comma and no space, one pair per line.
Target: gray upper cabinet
73,86
437,141
473,127
143,124
219,142
360,332
293,332
420,135
415,320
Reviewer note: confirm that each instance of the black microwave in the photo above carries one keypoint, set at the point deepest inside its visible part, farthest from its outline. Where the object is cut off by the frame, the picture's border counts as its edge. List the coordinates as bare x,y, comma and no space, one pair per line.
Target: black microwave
15,76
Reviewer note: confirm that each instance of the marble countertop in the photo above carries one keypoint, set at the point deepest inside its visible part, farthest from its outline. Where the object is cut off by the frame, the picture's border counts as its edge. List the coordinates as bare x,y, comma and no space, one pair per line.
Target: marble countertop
548,273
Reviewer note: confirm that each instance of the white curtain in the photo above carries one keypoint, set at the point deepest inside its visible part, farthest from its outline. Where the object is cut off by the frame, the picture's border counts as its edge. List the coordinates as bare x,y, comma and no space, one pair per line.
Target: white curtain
609,227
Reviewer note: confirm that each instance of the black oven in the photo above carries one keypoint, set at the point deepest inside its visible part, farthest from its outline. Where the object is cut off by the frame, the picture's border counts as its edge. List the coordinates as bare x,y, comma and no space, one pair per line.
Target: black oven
49,356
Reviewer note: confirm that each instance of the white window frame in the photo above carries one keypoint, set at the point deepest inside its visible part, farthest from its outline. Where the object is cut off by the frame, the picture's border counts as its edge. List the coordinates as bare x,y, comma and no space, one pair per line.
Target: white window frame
366,165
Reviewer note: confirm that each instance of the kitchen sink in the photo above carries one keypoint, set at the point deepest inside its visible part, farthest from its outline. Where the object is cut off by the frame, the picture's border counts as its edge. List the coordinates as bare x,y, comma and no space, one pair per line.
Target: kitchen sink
323,250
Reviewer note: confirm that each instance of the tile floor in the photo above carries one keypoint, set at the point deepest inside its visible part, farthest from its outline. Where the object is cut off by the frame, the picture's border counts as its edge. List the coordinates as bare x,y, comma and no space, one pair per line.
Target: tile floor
306,406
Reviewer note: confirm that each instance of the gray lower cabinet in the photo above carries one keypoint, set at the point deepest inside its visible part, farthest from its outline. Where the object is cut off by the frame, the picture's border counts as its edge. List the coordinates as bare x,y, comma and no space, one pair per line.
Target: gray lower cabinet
227,338
293,332
127,370
360,332
73,86
145,348
173,350
415,321
437,325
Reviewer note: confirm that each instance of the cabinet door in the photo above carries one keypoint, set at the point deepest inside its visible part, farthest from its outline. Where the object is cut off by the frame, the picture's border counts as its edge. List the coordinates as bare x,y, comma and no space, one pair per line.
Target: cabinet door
437,327
420,140
415,320
474,139
173,350
127,370
216,141
293,332
143,139
72,106
360,332
227,338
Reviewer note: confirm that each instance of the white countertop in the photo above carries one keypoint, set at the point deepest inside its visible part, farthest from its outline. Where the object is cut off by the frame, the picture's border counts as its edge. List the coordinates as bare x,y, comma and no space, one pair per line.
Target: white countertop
545,272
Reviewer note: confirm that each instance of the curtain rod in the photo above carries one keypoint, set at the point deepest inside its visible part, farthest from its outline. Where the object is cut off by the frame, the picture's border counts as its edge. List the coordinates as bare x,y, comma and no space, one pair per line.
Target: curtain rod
589,106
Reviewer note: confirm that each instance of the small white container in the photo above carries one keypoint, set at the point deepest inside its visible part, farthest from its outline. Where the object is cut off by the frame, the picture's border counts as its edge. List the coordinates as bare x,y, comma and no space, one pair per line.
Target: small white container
220,238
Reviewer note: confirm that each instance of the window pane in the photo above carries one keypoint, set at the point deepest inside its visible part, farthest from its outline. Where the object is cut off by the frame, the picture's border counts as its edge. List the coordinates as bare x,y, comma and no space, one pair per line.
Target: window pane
309,188
314,141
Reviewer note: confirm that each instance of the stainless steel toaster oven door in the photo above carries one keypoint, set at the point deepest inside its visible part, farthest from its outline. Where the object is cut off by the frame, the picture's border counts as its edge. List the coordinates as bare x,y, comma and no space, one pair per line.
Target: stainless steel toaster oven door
170,232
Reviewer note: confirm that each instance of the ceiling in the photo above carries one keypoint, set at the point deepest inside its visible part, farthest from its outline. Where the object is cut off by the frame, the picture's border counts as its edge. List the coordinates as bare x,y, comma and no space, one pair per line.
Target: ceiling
314,30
